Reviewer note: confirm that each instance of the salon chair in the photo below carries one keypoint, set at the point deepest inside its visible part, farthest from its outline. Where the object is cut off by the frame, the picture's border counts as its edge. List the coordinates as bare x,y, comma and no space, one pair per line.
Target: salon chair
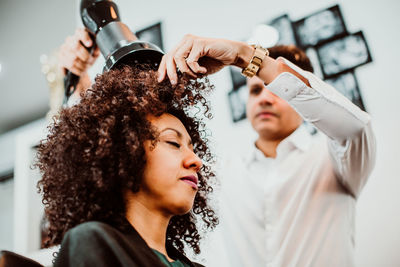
11,259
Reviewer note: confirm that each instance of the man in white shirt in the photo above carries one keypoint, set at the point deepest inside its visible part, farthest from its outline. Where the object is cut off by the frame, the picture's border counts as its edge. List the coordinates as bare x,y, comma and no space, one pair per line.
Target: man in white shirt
289,199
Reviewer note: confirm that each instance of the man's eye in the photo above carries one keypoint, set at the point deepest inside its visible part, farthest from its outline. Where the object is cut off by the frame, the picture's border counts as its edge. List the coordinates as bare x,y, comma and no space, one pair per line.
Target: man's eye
255,91
175,144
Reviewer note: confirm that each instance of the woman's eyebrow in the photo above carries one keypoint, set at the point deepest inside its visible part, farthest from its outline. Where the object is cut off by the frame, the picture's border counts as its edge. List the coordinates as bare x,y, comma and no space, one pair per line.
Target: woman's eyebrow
180,135
175,130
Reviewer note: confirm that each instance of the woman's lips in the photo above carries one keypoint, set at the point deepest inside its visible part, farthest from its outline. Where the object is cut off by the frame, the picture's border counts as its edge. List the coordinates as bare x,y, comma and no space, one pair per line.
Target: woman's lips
191,180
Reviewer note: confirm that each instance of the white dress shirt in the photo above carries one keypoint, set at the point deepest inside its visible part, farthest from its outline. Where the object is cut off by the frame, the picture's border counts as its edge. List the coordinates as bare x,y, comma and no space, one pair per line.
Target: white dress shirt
296,209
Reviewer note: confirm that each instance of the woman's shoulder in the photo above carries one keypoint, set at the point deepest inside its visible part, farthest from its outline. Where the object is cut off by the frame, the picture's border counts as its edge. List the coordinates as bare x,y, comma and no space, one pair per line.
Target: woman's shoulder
82,244
100,244
90,227
91,230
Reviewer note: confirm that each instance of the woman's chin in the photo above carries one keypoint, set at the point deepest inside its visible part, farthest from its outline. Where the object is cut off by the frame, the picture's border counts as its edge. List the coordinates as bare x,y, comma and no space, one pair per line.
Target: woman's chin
182,208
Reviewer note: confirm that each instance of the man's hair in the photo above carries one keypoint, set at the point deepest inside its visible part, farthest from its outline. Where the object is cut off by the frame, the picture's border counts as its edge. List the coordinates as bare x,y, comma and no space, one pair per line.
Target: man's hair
293,54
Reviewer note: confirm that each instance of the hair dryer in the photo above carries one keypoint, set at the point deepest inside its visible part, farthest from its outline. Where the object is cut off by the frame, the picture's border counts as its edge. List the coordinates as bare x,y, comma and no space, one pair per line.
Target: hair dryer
117,43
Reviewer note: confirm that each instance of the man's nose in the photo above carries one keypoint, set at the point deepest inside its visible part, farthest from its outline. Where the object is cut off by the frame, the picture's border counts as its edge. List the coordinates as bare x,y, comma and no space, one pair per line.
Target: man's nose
266,97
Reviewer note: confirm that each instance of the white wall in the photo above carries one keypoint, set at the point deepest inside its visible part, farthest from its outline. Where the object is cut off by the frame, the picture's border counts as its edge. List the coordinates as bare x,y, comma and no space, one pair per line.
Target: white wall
378,219
28,29
6,214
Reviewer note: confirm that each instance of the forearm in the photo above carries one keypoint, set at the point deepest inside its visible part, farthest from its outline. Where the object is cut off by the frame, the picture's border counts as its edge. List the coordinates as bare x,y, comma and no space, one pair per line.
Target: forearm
354,160
269,69
315,100
319,103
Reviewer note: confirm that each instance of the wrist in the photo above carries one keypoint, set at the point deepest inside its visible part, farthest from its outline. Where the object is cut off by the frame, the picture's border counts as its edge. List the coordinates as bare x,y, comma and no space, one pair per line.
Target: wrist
245,53
84,83
259,55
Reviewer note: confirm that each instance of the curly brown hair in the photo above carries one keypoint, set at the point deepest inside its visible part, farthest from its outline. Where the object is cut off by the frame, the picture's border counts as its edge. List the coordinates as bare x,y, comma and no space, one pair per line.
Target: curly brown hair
95,150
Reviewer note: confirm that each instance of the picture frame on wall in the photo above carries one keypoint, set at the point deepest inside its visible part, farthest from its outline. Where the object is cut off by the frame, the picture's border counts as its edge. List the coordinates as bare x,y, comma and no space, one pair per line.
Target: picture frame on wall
319,27
151,34
346,83
237,77
237,102
284,26
312,55
343,54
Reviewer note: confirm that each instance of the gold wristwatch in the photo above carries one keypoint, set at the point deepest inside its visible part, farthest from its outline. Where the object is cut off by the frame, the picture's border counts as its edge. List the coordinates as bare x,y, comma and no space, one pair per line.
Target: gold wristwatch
259,54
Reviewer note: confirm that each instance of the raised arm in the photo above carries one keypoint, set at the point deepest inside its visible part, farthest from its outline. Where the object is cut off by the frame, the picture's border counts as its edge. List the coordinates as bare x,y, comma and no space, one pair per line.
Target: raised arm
350,137
73,56
351,140
203,56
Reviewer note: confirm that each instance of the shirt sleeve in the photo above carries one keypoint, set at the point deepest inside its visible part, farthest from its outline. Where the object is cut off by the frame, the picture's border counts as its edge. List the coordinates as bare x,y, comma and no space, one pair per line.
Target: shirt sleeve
350,136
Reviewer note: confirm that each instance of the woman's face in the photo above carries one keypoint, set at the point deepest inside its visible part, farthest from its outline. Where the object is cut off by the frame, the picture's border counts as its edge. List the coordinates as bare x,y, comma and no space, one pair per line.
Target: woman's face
170,175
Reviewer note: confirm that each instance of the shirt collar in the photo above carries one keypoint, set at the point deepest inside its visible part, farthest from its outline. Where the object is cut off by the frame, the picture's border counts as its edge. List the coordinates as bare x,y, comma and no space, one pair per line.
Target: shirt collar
299,139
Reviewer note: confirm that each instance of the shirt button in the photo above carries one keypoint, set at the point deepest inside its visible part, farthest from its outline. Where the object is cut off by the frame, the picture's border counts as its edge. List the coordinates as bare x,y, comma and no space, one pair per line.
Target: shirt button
286,90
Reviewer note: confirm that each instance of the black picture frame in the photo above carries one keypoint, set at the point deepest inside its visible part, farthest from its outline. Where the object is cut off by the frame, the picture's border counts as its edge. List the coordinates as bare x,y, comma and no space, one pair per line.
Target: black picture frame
313,56
237,77
319,27
152,34
237,102
342,54
347,84
284,26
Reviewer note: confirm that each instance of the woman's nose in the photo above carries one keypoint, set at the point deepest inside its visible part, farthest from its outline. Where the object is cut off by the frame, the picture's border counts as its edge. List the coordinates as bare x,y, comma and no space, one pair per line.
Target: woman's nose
192,161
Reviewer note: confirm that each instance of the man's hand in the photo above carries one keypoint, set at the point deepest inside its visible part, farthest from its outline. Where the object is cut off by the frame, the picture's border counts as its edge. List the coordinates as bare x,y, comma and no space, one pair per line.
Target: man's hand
197,55
73,54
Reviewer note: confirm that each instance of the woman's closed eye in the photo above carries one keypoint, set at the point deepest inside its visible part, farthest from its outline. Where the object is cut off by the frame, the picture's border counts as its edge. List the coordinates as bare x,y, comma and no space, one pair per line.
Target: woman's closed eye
175,144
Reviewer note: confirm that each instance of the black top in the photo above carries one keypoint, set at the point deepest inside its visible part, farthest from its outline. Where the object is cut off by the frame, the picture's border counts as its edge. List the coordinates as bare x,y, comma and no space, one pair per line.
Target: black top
99,244
167,263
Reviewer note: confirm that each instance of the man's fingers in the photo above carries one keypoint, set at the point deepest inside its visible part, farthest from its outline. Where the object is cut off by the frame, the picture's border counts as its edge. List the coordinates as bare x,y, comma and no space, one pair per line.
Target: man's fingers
78,47
80,65
82,53
177,57
162,70
73,64
83,36
192,60
73,54
171,69
75,70
77,67
96,52
180,58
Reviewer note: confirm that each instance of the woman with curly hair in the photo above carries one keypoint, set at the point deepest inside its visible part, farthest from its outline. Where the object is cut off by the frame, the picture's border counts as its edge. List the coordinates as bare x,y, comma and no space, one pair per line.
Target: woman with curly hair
125,173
